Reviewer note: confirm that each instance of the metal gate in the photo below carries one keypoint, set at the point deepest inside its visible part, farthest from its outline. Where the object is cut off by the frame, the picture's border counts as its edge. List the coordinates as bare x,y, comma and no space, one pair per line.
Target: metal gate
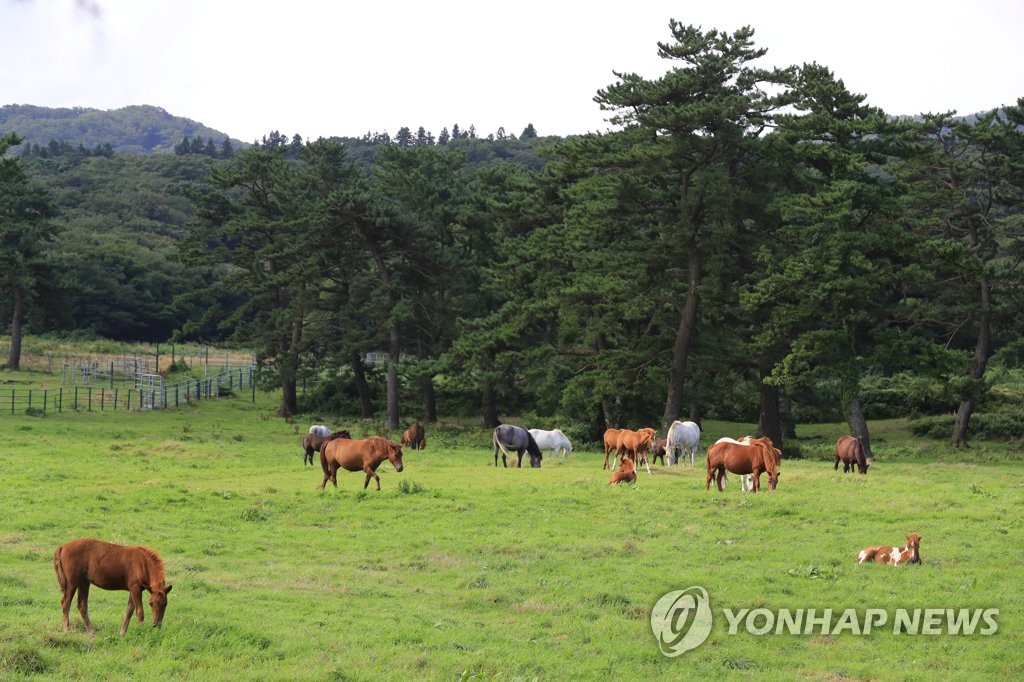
151,391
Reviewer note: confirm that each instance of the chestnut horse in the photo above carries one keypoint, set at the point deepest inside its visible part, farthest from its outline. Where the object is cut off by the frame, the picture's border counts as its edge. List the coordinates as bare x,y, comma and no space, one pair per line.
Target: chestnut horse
881,554
638,444
760,455
314,442
626,472
611,442
86,561
414,436
358,455
850,451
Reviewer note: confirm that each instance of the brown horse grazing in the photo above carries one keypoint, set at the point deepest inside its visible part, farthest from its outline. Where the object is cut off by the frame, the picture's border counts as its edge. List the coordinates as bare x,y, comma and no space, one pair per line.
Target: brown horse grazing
637,444
626,472
850,451
313,443
414,436
881,554
358,455
86,561
611,441
760,455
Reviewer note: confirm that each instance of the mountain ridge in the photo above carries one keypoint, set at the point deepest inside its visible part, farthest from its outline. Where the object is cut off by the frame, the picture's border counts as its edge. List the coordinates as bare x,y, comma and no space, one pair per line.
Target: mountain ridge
133,129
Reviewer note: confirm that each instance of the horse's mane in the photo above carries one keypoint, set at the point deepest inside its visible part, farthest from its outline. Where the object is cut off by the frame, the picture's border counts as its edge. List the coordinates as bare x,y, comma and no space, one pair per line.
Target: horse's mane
531,445
771,465
156,564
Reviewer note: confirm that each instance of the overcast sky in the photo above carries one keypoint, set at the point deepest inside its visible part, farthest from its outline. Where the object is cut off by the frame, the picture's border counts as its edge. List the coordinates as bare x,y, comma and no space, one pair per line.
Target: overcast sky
340,67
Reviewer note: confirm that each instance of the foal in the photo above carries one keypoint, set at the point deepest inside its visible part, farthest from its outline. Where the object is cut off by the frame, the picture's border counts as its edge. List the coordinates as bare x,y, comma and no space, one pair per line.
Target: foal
86,561
882,554
626,472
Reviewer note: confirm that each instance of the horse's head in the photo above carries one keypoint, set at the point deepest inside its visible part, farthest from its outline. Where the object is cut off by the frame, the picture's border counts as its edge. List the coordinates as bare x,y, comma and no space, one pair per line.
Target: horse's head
395,456
773,480
913,541
158,603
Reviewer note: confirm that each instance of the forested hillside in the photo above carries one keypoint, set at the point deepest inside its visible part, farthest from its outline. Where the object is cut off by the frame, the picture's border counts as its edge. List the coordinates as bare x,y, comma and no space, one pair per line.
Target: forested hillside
129,130
722,252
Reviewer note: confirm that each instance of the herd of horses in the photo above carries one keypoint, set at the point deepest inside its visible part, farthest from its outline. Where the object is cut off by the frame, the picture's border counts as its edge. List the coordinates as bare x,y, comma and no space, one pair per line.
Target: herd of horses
88,561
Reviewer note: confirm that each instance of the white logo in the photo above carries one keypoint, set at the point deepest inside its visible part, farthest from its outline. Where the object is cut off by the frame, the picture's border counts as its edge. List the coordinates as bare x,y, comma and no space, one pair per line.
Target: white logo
681,620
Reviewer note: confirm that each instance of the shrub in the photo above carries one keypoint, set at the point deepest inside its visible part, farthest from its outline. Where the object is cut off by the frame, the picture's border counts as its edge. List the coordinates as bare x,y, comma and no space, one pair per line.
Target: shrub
1002,425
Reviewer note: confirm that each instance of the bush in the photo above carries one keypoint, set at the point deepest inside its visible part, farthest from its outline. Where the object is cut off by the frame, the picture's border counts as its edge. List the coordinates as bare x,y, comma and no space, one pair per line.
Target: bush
1003,425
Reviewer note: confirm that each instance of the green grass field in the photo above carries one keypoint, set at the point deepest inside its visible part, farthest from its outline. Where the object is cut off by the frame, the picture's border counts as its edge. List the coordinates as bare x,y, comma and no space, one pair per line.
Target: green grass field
456,570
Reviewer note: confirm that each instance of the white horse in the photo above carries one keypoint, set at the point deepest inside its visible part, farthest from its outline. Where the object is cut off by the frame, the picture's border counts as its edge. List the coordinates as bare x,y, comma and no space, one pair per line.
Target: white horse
683,437
746,485
555,441
319,430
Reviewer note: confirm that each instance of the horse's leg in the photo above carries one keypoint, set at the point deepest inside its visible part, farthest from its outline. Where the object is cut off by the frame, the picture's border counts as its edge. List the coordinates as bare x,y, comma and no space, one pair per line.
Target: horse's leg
721,476
83,606
65,602
334,474
519,463
836,467
647,463
370,473
134,605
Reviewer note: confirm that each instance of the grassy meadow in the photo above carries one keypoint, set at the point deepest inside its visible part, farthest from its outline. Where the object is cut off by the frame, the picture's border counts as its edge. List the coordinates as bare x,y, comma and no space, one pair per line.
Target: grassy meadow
457,570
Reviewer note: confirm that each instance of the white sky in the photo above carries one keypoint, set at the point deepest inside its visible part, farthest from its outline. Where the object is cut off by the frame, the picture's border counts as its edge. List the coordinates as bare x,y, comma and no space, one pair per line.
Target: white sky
347,67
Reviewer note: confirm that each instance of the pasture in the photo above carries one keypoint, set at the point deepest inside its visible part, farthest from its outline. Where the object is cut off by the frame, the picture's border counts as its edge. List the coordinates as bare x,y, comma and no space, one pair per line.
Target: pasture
460,570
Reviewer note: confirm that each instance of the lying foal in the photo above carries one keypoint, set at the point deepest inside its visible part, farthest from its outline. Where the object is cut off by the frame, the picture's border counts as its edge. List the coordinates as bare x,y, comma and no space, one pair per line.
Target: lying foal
626,472
894,555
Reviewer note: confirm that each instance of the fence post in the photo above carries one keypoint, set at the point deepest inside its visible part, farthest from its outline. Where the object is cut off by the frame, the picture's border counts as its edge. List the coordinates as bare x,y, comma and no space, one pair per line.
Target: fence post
44,401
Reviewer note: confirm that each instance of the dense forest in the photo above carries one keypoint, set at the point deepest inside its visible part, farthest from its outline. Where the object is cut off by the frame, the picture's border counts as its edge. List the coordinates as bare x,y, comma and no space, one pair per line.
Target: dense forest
744,243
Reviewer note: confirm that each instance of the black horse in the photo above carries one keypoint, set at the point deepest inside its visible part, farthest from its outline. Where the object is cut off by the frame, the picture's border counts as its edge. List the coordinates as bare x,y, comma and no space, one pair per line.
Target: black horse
508,437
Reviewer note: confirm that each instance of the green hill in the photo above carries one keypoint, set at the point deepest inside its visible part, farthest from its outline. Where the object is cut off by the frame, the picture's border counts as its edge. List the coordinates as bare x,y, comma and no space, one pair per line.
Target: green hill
140,129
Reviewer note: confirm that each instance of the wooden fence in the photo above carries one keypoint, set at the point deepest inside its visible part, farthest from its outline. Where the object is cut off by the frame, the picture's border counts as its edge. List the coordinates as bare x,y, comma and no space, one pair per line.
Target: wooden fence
100,398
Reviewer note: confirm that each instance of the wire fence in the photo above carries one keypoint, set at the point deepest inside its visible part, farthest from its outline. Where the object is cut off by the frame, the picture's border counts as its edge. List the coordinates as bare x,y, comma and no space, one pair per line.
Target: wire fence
122,367
148,396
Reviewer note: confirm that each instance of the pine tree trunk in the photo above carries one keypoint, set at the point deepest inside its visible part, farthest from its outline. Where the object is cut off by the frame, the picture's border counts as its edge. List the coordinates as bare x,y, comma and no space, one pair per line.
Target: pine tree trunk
363,388
489,406
394,355
770,422
288,352
684,340
429,400
14,356
982,352
289,397
858,425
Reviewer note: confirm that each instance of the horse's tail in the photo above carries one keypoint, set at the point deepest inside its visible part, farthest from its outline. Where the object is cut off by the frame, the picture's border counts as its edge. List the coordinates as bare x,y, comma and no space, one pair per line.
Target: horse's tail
58,568
323,459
